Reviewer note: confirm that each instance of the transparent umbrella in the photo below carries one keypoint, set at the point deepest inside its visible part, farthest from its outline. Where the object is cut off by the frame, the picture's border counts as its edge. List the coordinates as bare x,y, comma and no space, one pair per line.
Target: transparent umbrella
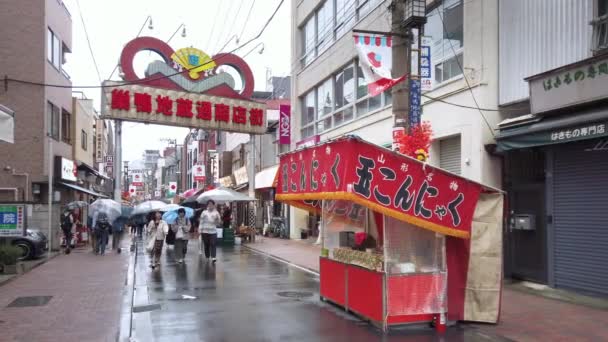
111,208
76,204
222,195
148,207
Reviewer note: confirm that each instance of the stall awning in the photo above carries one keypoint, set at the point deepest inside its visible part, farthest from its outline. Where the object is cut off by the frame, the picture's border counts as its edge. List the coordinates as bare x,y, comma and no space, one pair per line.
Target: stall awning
381,180
533,131
81,189
265,178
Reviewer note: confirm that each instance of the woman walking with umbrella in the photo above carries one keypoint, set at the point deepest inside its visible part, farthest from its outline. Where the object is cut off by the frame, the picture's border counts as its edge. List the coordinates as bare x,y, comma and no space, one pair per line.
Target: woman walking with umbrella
157,229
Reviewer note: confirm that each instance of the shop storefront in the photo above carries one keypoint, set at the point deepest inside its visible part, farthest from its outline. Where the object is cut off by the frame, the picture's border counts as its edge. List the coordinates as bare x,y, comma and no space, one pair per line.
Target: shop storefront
556,174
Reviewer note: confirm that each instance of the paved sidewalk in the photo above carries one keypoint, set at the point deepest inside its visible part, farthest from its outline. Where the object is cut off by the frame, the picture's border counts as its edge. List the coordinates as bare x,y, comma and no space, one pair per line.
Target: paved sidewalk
85,305
524,316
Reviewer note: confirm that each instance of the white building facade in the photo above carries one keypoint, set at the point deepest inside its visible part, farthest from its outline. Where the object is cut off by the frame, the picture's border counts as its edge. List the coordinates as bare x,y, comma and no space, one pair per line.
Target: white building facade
330,98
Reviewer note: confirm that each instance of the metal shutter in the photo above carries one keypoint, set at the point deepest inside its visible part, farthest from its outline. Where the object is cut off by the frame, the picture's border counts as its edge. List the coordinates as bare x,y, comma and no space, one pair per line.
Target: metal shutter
580,216
449,154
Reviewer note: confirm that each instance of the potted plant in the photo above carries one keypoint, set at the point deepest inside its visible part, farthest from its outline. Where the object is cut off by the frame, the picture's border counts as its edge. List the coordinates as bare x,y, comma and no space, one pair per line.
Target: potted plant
8,258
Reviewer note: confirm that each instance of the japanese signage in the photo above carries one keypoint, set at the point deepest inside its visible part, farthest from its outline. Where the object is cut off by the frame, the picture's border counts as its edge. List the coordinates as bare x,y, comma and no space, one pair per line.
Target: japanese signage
375,60
12,220
132,190
415,105
384,181
285,125
579,83
157,193
177,108
226,181
198,171
172,188
240,175
584,132
398,133
99,126
426,74
65,169
109,160
311,141
138,179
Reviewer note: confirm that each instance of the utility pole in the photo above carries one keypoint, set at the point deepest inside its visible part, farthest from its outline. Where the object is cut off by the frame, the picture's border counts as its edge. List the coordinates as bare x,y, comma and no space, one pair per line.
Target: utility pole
401,66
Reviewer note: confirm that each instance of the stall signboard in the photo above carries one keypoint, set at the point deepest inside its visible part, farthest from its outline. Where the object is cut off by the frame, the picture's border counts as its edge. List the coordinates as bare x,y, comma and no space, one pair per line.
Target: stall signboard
138,179
12,219
240,175
226,181
198,171
382,180
185,88
66,169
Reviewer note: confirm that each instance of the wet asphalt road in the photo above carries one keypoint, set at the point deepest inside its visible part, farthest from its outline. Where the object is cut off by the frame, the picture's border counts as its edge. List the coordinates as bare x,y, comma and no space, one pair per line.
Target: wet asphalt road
247,296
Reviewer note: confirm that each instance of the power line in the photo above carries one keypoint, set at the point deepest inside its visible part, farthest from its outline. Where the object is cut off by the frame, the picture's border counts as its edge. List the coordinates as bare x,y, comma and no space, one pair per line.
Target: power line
213,27
154,78
247,18
86,34
445,30
223,27
232,25
138,34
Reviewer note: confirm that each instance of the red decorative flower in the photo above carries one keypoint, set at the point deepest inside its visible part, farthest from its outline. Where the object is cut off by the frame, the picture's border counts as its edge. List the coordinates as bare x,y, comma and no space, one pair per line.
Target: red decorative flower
418,139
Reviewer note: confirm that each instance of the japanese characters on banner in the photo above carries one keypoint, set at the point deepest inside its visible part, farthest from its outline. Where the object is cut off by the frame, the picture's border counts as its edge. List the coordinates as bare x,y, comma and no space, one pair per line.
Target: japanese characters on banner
375,60
426,73
415,103
185,109
12,219
285,125
386,182
198,172
138,179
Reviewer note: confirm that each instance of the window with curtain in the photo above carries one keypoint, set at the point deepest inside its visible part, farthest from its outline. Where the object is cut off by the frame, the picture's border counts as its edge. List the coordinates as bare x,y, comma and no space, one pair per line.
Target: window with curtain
445,26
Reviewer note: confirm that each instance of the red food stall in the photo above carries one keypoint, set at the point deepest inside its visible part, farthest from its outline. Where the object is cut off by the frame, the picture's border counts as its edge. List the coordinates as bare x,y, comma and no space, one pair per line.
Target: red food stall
403,242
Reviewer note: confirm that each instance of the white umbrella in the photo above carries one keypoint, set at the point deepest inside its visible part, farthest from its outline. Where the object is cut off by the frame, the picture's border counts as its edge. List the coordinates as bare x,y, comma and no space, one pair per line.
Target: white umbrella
170,207
109,207
148,207
222,195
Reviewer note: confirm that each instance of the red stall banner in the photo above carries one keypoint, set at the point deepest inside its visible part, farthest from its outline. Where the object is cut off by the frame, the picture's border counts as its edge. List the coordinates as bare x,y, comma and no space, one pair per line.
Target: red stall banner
379,179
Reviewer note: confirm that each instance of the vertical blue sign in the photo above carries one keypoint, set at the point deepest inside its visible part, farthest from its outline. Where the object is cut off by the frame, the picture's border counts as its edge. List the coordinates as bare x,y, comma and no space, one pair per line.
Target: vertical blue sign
415,105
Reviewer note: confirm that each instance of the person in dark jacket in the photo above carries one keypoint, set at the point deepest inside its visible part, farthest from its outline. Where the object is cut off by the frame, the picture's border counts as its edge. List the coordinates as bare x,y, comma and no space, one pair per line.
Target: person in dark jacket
102,230
118,228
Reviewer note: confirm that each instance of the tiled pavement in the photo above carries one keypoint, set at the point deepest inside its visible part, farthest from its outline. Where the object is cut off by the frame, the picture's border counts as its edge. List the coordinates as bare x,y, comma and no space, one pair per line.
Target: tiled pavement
524,316
86,293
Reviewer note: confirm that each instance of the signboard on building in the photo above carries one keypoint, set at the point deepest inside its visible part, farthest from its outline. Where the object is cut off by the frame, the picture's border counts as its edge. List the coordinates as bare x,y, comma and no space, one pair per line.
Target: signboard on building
65,169
132,190
426,68
109,160
99,145
311,141
172,188
188,88
226,181
575,84
285,124
138,179
12,219
198,172
240,175
157,194
415,110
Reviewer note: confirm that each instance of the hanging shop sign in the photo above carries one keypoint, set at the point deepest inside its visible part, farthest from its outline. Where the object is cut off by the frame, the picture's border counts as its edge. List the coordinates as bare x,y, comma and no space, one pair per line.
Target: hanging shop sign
415,110
426,68
66,169
12,220
198,172
187,88
387,182
138,179
172,188
240,175
99,143
375,60
574,84
285,125
132,190
156,193
226,181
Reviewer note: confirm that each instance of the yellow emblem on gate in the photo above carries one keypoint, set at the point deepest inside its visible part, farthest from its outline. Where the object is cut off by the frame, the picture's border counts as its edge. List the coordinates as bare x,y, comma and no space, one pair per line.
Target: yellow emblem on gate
194,60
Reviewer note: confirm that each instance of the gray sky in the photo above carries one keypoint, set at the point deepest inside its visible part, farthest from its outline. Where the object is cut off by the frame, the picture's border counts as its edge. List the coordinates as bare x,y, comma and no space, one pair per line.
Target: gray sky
113,23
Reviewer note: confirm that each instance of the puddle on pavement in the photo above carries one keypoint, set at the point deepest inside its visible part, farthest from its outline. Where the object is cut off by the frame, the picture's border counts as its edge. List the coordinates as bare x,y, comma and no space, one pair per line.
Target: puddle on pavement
22,302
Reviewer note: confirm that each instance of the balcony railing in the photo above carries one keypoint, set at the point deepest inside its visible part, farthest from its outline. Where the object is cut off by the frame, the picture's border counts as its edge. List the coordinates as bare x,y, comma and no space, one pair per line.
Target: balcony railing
600,33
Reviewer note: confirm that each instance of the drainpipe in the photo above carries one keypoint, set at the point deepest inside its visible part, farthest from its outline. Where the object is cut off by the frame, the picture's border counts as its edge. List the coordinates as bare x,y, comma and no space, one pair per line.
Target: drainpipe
14,190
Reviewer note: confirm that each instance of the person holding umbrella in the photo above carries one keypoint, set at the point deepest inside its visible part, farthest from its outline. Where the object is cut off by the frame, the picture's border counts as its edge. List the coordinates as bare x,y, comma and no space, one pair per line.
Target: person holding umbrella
181,229
157,229
209,220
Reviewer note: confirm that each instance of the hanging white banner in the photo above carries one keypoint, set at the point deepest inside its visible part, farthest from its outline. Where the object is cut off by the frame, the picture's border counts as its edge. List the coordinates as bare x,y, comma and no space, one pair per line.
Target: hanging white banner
375,60
132,190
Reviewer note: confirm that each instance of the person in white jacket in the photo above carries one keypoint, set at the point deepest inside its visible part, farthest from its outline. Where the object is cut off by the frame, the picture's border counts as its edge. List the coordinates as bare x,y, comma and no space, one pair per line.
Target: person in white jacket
181,227
157,229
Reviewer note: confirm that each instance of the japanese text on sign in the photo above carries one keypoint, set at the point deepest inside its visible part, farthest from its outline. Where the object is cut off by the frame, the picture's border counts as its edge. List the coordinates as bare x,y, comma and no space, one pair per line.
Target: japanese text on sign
11,220
590,72
587,131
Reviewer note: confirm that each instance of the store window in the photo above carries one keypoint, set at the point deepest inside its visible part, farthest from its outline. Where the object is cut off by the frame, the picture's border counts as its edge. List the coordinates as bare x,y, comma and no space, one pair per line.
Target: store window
83,140
66,126
54,122
445,27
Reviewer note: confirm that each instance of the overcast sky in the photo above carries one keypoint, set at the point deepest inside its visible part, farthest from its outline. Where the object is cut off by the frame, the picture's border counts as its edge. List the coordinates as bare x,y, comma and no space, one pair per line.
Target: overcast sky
209,24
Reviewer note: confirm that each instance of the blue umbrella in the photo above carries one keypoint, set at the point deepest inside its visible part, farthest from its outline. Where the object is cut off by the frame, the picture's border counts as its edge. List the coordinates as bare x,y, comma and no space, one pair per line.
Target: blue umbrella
171,216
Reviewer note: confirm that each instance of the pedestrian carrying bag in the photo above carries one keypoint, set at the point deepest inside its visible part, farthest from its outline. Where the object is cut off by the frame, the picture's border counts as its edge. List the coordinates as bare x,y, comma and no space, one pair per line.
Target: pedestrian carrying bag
170,238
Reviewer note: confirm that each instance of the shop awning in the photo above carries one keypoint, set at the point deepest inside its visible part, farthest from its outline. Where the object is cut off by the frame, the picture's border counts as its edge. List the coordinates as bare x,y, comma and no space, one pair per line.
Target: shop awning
81,189
382,180
265,178
530,131
7,124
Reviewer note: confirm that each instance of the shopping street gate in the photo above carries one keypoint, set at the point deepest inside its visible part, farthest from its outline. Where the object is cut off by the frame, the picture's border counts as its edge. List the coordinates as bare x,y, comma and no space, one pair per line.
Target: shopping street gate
186,89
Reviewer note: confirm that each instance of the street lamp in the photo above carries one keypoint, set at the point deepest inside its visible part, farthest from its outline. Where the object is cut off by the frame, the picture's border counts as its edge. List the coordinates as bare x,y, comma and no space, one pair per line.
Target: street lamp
228,41
174,33
414,13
